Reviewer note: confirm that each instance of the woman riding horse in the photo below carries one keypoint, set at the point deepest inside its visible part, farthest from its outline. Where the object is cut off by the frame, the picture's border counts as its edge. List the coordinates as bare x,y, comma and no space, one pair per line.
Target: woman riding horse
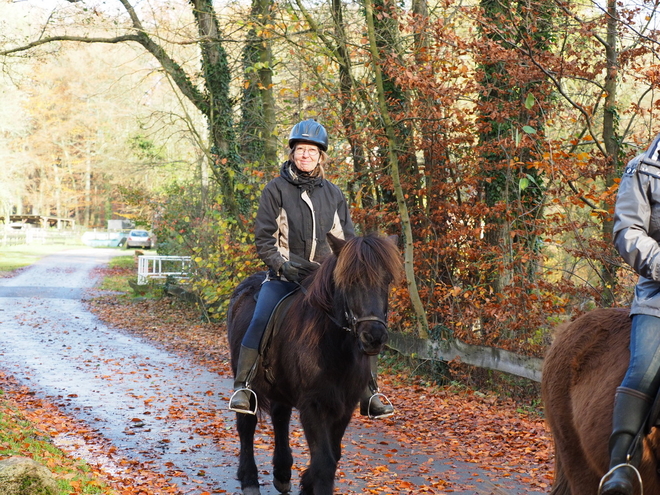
636,238
296,211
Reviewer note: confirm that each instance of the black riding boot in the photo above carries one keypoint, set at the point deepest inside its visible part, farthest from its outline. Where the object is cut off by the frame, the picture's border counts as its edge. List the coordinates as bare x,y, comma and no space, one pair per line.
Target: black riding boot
370,403
630,410
240,401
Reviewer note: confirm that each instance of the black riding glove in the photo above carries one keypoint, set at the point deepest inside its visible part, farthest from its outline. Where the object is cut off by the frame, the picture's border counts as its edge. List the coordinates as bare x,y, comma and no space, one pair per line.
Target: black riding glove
290,271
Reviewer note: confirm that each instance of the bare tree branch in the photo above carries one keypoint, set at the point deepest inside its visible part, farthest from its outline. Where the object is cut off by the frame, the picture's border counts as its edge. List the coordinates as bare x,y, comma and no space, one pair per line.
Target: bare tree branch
80,39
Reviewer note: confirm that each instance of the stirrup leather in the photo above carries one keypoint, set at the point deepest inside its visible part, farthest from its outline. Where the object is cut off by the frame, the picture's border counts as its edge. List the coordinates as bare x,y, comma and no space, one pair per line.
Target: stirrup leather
380,396
619,466
245,411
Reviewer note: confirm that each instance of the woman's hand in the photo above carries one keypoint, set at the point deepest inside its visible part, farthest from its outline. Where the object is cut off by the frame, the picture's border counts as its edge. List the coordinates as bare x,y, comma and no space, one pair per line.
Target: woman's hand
290,269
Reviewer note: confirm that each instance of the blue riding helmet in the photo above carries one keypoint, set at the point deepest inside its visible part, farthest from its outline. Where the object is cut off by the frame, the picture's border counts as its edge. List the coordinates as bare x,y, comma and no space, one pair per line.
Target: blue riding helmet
309,131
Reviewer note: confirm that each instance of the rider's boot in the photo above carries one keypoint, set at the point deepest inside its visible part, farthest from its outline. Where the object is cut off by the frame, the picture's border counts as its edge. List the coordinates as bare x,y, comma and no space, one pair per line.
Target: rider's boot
630,410
240,401
370,403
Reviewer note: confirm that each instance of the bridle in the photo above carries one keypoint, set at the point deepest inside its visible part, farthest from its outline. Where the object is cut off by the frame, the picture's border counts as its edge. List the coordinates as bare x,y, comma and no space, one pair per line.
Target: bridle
352,321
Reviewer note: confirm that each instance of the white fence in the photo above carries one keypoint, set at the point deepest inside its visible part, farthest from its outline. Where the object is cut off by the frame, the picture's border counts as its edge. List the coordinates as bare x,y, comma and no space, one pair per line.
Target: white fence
161,267
32,236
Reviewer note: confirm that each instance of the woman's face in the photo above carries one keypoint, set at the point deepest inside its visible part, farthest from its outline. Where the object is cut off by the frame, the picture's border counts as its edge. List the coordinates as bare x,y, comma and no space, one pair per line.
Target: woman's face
306,156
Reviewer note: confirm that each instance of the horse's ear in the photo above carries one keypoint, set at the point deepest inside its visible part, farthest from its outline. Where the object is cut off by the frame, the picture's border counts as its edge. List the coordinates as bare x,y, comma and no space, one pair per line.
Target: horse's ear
394,238
336,244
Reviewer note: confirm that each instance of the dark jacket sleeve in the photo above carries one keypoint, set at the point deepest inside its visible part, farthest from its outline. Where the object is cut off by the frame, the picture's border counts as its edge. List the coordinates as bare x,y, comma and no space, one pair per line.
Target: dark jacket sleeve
266,227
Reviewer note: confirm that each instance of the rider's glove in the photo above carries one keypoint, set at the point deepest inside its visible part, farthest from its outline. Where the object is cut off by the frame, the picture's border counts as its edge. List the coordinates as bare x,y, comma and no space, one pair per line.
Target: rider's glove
290,271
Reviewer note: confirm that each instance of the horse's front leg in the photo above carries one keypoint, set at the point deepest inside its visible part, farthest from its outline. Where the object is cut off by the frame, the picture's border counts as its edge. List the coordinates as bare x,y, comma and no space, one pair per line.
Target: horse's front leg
247,468
282,457
337,433
319,477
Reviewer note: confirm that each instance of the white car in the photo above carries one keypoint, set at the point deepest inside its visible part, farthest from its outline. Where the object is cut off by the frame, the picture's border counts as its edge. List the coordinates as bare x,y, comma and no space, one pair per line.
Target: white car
140,238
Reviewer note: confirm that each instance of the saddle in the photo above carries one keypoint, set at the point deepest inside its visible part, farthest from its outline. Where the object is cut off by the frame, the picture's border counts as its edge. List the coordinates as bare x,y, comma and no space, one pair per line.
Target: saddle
653,419
270,332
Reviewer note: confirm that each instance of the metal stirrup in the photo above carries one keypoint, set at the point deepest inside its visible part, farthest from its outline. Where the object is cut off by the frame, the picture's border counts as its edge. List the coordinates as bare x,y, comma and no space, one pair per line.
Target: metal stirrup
379,395
245,411
619,466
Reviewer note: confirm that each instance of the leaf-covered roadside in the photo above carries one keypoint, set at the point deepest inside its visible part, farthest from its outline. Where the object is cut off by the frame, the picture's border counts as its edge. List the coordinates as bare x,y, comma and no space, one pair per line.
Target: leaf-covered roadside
82,461
454,423
21,436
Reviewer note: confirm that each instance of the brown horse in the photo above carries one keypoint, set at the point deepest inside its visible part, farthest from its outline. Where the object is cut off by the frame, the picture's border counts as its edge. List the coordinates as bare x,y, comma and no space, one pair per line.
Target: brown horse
581,372
319,360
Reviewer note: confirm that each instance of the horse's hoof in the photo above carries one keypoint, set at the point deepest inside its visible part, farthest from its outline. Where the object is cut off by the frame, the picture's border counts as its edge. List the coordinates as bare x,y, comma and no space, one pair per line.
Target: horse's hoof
281,486
251,490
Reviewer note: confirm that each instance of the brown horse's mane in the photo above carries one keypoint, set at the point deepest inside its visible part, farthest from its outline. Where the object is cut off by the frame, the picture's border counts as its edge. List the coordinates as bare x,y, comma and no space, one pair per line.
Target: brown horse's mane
361,263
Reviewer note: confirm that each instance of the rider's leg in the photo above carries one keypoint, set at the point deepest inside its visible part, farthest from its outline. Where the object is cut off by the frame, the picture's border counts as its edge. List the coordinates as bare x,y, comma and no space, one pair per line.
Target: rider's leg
630,410
270,294
370,404
632,403
240,401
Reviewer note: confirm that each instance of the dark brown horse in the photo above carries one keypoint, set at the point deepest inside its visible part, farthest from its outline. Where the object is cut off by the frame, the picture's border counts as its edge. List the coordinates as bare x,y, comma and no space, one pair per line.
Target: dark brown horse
318,361
581,372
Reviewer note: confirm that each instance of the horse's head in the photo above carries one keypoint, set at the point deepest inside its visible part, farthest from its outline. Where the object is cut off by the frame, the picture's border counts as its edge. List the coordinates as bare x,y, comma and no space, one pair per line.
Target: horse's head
364,269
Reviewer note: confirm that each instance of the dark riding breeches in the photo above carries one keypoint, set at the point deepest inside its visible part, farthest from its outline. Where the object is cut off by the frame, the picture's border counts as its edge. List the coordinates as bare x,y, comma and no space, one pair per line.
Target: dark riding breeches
643,371
271,293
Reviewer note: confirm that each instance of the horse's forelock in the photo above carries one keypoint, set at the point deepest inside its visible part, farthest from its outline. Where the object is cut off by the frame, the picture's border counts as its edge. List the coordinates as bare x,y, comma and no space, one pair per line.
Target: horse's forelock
361,263
363,260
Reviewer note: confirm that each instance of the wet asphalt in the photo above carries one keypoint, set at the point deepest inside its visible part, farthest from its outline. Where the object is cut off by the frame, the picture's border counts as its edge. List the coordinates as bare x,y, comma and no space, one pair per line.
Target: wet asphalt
159,409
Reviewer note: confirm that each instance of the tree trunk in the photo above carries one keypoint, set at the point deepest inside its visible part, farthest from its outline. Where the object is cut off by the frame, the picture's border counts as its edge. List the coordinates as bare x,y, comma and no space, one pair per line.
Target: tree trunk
513,194
57,192
214,103
359,186
611,140
258,139
88,193
386,34
217,106
393,147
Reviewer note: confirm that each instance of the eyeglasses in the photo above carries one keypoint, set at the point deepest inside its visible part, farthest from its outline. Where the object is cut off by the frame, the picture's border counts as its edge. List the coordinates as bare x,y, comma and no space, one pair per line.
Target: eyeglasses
311,152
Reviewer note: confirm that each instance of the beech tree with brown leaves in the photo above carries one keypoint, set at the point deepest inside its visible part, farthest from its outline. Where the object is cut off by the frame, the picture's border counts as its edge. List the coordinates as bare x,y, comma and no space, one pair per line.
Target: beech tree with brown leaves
489,136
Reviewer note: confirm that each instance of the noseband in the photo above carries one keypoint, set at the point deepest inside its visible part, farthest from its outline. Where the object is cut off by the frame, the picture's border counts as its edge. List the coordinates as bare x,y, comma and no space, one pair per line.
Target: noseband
353,321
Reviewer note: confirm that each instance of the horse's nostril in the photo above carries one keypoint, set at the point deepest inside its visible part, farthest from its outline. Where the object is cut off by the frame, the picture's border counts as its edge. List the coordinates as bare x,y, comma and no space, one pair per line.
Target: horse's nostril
372,342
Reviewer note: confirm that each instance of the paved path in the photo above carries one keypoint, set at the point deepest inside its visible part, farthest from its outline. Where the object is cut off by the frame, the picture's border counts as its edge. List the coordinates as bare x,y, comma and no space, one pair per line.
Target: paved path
140,397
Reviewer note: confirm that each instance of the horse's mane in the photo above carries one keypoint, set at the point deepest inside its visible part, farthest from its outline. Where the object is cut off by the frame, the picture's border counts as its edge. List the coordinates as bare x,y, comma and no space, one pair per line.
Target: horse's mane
361,263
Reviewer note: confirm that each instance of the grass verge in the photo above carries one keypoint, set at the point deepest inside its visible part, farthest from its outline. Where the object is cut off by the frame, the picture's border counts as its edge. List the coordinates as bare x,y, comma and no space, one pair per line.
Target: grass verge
19,437
120,276
119,272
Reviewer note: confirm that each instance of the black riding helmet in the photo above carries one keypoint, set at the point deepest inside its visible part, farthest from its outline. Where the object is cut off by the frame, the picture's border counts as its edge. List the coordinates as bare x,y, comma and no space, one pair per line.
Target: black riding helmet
309,131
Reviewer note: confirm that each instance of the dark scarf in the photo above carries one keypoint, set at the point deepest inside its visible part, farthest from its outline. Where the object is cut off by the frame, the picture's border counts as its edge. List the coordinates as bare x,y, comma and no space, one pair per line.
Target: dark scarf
304,180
